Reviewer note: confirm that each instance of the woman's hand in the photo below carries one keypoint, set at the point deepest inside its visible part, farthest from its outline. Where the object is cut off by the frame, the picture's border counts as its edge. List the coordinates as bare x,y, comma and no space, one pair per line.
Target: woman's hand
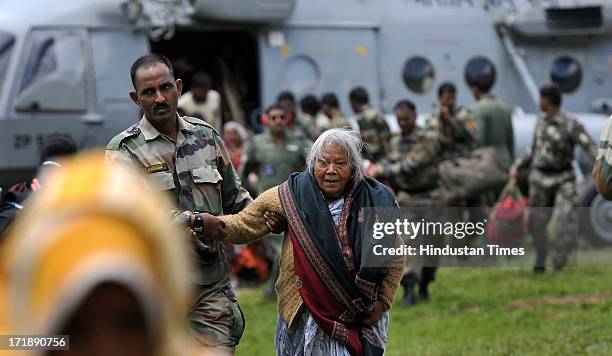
379,309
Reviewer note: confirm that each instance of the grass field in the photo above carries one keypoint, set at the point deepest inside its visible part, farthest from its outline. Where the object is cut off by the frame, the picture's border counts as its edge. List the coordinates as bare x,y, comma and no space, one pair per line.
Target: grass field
482,311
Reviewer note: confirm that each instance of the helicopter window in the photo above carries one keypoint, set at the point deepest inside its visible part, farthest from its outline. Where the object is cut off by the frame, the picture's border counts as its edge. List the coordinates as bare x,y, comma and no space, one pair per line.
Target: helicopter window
54,73
6,44
566,74
482,70
419,74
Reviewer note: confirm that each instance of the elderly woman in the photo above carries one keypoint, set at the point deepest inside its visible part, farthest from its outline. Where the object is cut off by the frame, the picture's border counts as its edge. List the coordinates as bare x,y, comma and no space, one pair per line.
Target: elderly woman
329,302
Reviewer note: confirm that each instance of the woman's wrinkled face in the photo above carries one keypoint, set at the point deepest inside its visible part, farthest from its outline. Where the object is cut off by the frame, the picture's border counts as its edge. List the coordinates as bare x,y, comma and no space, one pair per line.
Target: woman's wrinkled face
332,171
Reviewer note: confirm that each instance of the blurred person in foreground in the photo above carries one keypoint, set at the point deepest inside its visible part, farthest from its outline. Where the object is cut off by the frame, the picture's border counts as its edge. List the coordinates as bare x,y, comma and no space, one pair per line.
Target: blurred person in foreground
552,187
331,301
95,258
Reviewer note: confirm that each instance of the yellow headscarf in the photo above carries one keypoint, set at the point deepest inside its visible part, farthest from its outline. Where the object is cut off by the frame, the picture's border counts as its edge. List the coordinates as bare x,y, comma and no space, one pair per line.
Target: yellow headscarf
92,223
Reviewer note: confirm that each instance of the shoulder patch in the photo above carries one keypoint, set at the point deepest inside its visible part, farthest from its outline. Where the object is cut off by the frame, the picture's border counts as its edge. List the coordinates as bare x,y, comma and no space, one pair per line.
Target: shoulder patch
115,142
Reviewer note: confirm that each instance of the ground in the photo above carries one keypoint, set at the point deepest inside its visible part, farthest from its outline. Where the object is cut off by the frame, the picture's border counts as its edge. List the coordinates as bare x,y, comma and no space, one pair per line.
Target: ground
482,311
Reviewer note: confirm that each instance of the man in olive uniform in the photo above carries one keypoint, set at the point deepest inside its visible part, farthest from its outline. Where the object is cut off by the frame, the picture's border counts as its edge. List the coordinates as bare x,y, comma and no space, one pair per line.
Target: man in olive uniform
455,125
411,168
493,121
186,157
331,108
551,177
273,156
372,125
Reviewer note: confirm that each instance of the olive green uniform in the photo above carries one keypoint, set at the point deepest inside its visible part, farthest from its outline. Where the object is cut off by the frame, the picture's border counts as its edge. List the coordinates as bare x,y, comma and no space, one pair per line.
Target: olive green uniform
196,171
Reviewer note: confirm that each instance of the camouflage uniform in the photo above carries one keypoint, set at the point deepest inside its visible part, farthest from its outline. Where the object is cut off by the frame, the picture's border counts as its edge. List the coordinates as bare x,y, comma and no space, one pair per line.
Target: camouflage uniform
602,170
196,170
458,135
375,133
339,122
412,168
273,165
551,182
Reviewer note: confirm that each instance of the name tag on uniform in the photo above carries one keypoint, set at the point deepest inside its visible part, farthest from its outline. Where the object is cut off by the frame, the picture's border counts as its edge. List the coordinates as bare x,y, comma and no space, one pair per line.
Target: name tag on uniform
293,148
160,167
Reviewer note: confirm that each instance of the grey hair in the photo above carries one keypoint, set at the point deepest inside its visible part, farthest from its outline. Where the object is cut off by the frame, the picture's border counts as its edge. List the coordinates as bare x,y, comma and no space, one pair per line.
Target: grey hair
238,127
345,139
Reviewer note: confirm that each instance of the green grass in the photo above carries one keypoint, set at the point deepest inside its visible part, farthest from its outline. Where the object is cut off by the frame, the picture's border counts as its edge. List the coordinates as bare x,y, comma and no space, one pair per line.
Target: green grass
482,311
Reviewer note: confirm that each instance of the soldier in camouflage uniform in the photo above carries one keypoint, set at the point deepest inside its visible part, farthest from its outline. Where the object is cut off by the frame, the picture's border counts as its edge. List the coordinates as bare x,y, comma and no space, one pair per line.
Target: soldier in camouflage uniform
372,126
331,108
455,125
411,168
186,157
551,177
274,155
602,170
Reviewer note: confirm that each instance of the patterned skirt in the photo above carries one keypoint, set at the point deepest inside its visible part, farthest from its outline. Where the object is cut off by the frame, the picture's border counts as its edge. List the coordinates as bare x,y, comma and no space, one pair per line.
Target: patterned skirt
305,338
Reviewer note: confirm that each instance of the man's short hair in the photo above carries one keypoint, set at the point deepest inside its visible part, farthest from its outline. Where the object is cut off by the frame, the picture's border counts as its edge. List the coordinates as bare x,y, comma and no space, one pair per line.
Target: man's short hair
330,99
310,105
57,145
405,104
275,107
446,87
483,83
148,60
201,80
552,93
285,95
359,95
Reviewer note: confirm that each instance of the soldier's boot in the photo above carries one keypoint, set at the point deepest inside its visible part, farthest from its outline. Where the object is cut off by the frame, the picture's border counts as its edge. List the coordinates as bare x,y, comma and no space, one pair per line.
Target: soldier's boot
424,291
541,243
408,283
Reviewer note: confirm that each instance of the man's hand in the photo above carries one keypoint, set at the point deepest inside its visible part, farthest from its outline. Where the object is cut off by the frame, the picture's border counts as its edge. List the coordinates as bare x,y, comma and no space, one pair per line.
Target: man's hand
379,309
445,113
275,222
214,228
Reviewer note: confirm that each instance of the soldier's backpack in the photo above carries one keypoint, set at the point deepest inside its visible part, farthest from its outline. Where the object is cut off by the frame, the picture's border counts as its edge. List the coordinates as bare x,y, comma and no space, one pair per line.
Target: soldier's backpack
507,223
468,176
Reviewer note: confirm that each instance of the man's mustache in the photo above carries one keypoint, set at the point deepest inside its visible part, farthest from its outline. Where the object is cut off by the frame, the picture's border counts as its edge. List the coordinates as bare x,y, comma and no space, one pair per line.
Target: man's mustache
161,106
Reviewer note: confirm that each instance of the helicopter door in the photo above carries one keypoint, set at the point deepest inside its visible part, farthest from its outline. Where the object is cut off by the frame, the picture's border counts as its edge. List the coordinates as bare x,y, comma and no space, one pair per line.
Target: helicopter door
318,60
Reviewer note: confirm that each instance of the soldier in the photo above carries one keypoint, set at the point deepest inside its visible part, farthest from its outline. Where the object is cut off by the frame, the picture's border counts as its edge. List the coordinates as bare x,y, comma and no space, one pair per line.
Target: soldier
602,170
372,125
331,108
274,155
186,157
551,177
493,121
313,121
294,122
411,167
456,124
